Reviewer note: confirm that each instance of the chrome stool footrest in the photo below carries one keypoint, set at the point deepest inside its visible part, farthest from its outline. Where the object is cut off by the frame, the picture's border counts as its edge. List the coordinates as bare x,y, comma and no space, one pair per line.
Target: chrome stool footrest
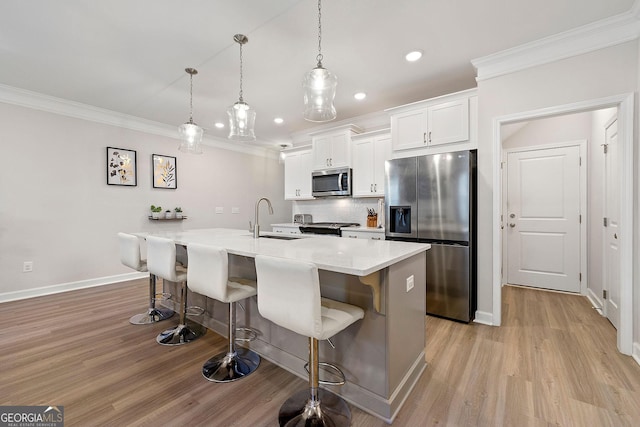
332,369
162,296
194,310
250,334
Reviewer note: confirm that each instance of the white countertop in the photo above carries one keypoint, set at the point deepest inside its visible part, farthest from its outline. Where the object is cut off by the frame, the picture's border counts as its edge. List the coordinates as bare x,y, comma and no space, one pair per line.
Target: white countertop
358,257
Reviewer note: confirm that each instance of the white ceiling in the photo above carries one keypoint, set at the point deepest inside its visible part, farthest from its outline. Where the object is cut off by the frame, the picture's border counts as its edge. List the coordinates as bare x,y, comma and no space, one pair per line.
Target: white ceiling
129,55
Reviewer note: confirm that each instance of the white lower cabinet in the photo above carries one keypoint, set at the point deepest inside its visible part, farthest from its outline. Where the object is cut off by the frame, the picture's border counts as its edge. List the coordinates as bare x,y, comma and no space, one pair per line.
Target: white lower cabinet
286,229
357,234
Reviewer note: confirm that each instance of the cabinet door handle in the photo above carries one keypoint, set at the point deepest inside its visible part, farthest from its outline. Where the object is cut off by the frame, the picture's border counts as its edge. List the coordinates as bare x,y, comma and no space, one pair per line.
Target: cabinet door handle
375,238
375,187
424,137
370,188
353,237
429,137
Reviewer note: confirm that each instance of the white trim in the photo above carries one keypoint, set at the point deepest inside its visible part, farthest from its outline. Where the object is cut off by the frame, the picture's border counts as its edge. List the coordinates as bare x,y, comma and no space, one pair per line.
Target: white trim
483,318
71,286
636,352
64,107
595,301
582,149
625,105
587,38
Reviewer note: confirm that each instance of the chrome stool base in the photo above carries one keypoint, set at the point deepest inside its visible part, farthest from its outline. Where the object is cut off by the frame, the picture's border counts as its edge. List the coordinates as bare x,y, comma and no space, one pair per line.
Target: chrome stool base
182,334
227,367
154,315
329,410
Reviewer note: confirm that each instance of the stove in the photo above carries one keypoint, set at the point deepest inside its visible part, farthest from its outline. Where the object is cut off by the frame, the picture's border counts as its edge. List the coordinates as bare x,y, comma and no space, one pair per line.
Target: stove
330,228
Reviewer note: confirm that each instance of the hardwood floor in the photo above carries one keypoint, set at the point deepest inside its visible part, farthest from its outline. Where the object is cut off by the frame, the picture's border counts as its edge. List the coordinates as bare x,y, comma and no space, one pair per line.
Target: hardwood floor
553,362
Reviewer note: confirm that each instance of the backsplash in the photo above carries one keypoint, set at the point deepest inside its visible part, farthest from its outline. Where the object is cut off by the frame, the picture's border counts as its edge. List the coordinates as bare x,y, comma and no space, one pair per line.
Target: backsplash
338,209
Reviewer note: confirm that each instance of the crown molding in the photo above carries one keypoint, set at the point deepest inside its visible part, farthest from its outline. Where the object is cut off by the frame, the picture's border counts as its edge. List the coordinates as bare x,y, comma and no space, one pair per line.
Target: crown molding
37,101
587,38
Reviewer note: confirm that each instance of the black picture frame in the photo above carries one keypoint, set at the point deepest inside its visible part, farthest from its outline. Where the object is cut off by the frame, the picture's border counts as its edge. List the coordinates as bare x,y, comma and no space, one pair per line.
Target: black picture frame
122,167
164,171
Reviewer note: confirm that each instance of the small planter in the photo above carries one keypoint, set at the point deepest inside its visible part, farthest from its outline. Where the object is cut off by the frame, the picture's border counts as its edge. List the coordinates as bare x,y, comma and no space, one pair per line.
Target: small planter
178,215
155,215
168,215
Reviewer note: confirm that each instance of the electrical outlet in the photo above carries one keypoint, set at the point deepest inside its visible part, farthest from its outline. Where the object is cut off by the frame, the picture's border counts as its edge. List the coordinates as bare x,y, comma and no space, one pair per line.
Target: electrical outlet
409,283
27,266
235,210
219,210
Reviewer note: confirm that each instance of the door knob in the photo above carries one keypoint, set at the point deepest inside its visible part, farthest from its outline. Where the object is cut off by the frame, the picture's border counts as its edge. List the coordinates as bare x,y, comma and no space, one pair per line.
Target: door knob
512,215
511,225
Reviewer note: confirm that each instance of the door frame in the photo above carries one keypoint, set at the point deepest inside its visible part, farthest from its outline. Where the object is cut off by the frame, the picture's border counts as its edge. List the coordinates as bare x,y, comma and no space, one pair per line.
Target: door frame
582,146
625,105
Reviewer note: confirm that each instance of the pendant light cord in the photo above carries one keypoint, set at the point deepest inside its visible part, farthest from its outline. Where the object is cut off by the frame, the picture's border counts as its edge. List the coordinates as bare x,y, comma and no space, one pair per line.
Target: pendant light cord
191,98
319,57
240,72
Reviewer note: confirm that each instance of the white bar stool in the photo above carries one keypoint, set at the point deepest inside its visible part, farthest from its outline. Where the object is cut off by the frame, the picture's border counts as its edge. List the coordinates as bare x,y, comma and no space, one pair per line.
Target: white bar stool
289,296
161,261
208,275
130,256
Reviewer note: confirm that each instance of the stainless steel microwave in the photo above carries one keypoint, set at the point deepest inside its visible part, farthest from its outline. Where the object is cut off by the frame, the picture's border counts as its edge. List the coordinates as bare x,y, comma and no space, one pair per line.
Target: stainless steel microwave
331,182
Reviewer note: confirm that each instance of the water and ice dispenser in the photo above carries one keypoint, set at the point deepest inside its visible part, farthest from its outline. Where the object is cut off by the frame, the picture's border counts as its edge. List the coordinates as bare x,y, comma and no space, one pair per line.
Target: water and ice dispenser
400,219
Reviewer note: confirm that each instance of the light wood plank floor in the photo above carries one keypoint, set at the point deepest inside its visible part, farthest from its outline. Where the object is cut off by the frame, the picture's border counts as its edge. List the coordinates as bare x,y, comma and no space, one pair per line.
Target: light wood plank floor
554,362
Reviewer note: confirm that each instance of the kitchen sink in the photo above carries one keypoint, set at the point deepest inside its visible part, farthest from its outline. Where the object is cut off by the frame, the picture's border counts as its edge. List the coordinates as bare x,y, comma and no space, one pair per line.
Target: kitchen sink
279,237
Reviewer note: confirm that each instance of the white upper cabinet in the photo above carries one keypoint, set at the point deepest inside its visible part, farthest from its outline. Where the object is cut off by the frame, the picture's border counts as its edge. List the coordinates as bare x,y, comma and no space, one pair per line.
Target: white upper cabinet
297,175
332,148
370,151
443,120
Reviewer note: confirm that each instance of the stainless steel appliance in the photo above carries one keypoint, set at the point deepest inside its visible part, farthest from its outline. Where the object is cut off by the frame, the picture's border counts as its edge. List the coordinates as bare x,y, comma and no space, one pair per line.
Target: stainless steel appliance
329,228
331,182
432,199
302,219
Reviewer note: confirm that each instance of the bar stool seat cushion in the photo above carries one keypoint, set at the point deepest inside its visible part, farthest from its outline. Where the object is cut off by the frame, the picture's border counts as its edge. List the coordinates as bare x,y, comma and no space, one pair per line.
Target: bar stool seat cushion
289,296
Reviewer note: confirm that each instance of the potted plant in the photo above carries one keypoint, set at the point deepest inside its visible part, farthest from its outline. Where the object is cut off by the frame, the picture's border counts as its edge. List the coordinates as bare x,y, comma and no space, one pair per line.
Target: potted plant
168,214
155,211
178,212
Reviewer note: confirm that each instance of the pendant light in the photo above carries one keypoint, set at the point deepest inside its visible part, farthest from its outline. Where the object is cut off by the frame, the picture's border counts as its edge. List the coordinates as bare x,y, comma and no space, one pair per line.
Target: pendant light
190,133
319,86
242,117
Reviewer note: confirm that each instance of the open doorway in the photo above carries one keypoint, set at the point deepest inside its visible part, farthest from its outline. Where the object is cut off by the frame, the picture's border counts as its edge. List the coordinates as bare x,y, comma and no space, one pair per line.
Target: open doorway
624,106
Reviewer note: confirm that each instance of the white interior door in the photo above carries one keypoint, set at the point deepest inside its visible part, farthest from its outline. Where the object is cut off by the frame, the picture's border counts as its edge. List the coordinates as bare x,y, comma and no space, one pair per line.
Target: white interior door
542,221
611,224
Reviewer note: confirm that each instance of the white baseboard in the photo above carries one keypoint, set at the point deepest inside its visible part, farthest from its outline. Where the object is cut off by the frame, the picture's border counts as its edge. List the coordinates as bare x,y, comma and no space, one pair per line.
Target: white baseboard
635,353
595,301
484,318
71,286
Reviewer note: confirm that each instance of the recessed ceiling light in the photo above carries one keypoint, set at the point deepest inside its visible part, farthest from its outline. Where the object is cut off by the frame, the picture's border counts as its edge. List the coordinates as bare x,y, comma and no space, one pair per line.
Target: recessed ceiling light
278,120
413,56
219,125
360,96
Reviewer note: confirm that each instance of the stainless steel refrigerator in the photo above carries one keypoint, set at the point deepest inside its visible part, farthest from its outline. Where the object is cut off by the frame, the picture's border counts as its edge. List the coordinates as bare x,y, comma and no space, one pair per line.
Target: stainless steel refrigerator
432,199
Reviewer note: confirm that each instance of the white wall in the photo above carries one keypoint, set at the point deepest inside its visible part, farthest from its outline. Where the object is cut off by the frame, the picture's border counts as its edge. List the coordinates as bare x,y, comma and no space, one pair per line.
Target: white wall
598,74
57,210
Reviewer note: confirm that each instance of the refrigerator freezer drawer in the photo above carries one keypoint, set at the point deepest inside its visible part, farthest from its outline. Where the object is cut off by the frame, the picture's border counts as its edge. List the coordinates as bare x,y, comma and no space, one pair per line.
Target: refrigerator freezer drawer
449,282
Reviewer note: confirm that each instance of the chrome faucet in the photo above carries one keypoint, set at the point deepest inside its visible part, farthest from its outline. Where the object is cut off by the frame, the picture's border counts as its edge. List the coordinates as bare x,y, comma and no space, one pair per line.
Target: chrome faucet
256,225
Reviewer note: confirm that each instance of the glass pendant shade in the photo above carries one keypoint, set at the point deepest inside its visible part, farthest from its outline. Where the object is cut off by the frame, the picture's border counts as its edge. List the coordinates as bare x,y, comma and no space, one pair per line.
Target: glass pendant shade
191,138
242,119
319,92
190,133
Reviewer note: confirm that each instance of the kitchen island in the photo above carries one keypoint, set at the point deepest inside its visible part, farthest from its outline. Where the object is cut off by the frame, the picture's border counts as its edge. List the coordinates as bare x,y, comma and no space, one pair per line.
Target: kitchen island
382,355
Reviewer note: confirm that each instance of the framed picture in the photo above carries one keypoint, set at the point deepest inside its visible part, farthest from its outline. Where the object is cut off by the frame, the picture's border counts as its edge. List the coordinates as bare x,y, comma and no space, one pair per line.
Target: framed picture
121,167
164,171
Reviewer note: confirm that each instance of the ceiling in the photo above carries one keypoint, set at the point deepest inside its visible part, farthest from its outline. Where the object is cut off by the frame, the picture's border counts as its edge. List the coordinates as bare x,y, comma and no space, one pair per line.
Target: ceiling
129,56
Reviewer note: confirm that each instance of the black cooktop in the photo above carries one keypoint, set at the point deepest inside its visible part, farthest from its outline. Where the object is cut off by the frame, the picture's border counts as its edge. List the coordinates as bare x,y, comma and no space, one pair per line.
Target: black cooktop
326,227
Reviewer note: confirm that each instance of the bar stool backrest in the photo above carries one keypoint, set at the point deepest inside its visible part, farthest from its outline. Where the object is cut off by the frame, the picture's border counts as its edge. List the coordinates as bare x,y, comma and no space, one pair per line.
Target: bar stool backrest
289,294
130,252
208,271
161,258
